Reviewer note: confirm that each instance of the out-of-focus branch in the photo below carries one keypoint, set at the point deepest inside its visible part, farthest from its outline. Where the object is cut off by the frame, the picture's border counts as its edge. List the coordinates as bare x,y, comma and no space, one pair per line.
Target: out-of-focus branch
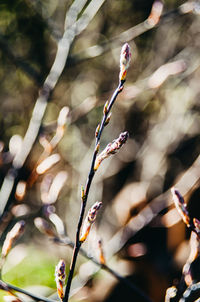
131,33
50,25
97,50
188,180
184,184
192,293
44,96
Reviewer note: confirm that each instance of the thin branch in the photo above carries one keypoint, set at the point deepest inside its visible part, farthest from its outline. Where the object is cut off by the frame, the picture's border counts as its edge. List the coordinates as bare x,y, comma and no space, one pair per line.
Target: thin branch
88,184
95,50
107,109
189,179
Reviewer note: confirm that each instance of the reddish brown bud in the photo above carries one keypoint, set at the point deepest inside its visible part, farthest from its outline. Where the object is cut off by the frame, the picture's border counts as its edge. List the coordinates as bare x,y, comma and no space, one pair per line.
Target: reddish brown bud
89,220
60,278
125,59
111,148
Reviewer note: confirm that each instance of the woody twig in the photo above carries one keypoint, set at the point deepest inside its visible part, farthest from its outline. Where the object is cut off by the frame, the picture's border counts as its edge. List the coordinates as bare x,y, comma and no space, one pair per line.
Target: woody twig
124,64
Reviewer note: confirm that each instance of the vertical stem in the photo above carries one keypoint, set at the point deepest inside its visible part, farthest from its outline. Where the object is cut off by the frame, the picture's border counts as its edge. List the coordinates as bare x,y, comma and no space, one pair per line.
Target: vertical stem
71,272
87,189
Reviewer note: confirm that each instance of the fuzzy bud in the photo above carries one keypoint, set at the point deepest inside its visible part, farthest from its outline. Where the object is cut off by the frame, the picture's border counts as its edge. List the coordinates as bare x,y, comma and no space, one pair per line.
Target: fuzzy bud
111,148
89,220
125,59
60,278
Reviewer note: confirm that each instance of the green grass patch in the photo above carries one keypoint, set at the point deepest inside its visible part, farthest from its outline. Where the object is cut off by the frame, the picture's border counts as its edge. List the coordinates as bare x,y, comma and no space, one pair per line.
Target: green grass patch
35,269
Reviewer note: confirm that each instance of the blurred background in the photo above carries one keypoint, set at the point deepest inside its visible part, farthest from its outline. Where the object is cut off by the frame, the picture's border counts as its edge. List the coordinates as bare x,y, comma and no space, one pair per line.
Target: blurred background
142,235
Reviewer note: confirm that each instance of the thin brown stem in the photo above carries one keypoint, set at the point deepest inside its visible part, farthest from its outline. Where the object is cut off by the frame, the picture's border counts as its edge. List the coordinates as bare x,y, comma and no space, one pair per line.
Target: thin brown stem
87,189
72,267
